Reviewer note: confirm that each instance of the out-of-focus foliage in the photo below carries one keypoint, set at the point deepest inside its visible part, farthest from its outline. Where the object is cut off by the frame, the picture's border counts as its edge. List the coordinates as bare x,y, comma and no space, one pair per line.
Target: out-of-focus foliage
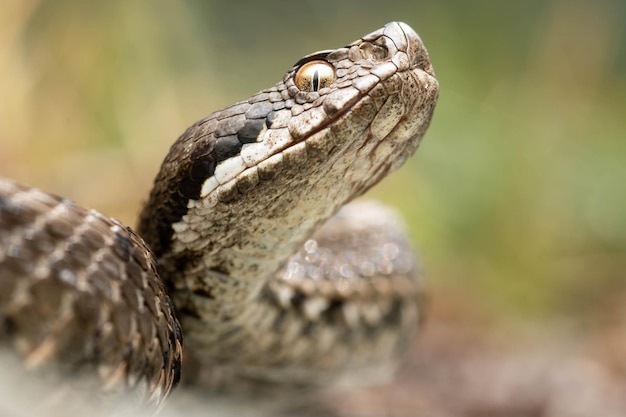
516,198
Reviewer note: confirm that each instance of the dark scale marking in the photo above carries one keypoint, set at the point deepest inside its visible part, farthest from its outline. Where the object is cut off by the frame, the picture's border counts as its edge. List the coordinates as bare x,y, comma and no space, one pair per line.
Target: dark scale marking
297,300
12,216
226,147
204,292
149,298
250,131
12,266
129,294
190,189
122,247
59,227
269,119
8,326
202,169
394,315
280,321
135,274
79,254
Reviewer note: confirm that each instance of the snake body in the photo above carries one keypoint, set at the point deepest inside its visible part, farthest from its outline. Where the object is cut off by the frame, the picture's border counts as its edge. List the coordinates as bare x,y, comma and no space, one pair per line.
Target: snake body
238,238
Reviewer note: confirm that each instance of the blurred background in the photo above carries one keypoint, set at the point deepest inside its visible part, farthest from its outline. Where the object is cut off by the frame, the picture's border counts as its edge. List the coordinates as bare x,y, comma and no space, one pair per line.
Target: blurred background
516,198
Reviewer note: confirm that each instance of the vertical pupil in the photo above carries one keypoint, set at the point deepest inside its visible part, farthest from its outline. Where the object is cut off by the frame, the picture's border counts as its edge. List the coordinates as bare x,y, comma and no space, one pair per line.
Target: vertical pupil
316,80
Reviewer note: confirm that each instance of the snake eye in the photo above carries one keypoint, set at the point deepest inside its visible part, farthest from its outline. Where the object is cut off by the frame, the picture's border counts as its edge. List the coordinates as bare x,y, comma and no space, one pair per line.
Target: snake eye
314,76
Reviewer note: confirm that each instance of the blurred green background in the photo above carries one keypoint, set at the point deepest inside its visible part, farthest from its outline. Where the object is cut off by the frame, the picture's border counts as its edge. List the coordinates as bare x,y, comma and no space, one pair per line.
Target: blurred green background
516,198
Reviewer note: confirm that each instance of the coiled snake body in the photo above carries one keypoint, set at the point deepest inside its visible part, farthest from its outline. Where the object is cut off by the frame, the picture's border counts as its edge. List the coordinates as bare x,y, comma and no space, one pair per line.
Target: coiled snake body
238,193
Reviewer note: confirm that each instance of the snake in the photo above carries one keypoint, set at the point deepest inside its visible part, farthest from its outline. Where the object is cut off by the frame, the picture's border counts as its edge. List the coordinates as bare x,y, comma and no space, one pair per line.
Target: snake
249,245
